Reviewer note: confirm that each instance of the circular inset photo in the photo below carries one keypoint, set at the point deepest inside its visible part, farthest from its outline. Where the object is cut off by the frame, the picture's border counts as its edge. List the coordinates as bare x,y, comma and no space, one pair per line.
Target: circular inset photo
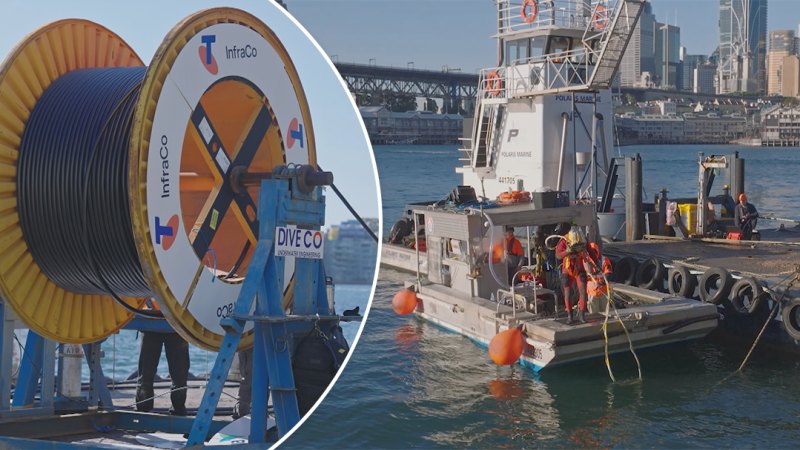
193,178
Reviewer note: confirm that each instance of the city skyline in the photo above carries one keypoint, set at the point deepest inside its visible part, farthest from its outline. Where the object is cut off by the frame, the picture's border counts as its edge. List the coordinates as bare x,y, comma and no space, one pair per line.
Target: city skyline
458,34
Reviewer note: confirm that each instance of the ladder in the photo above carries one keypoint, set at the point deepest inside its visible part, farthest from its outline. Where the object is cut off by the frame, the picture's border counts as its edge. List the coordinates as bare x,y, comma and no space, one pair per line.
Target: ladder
614,42
487,122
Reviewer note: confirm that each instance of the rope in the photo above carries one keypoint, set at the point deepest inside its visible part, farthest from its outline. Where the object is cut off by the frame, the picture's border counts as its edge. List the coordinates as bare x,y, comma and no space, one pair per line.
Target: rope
766,323
133,405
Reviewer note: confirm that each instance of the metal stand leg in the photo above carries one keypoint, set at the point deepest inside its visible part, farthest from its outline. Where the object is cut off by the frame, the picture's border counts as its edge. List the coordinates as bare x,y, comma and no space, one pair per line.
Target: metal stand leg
6,356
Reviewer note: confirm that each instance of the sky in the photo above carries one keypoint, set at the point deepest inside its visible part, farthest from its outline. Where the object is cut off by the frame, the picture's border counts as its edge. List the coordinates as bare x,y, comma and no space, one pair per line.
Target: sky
342,146
458,33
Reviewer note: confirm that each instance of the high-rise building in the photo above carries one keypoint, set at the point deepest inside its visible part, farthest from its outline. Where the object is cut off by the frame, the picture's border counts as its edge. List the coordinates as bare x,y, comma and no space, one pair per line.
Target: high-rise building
667,54
703,79
781,45
690,62
350,252
640,55
742,46
790,80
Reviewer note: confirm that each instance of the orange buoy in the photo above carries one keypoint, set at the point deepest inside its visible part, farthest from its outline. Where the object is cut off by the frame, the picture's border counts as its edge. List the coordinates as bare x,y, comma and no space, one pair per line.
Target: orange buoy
498,253
506,347
404,302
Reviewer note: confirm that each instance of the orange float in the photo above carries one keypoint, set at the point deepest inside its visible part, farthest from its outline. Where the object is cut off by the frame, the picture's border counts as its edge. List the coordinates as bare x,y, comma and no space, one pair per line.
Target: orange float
600,18
404,302
506,347
523,11
493,83
513,197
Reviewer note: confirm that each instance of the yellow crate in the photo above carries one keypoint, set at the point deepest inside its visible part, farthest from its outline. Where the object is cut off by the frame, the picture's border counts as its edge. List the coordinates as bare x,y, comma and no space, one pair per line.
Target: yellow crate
688,212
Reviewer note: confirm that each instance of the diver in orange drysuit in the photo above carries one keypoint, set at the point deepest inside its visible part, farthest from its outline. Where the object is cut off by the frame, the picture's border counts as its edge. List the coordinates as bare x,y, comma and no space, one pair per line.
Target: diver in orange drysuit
573,274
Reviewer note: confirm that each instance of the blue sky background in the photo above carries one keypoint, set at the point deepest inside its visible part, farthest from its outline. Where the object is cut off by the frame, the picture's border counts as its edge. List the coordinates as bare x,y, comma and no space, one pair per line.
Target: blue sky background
457,33
341,145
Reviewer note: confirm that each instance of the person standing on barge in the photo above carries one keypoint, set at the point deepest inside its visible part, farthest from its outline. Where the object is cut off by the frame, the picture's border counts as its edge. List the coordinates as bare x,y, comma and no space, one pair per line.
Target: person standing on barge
746,217
571,251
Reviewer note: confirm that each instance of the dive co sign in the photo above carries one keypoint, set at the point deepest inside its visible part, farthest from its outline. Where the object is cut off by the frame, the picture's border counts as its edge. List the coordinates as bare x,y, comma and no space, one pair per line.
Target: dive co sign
299,243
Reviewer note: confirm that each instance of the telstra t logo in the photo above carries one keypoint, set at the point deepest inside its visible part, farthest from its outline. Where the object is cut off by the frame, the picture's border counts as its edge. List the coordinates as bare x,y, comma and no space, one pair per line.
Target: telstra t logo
166,234
206,57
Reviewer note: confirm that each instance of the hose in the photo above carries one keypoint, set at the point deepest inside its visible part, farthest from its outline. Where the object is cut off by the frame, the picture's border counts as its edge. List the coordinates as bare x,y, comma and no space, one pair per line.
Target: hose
610,304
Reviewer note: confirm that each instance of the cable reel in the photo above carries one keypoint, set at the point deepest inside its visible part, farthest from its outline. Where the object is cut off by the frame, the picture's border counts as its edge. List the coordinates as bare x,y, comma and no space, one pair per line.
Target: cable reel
117,180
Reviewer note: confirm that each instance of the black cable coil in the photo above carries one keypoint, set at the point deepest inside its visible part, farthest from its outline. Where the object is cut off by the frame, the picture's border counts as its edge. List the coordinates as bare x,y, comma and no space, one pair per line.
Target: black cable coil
72,182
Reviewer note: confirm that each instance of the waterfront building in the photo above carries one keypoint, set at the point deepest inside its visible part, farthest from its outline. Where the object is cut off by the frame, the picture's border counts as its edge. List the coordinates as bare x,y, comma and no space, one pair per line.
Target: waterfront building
412,127
780,127
781,45
350,253
743,46
667,54
690,128
790,76
639,57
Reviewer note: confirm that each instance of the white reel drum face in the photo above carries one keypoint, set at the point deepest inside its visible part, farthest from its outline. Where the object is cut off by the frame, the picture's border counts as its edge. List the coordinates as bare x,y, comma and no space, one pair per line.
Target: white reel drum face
228,97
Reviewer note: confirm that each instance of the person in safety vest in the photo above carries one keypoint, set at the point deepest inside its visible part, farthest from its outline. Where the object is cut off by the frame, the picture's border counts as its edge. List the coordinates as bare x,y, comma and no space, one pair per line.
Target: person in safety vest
571,250
598,268
177,350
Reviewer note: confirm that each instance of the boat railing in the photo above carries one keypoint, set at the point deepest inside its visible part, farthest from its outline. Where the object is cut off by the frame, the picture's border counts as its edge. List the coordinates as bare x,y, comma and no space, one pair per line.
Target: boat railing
538,74
524,15
589,65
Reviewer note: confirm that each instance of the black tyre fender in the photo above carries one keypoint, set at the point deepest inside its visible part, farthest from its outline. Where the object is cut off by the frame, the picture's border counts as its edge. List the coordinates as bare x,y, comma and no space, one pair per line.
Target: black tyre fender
650,274
400,229
625,270
681,282
790,313
746,295
715,278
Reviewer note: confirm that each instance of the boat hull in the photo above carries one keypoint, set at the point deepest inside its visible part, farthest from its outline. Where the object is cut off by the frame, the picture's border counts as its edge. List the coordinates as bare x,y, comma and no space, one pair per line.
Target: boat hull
552,342
403,258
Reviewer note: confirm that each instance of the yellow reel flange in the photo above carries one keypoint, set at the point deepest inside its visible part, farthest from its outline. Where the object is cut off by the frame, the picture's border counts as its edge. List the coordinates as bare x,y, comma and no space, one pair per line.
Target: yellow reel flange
36,62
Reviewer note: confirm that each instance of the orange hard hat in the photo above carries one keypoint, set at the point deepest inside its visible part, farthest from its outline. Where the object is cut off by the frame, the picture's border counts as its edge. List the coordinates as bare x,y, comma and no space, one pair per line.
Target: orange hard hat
742,197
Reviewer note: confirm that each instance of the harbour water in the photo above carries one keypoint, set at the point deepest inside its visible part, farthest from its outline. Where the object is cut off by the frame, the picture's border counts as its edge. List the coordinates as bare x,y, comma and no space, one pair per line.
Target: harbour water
412,384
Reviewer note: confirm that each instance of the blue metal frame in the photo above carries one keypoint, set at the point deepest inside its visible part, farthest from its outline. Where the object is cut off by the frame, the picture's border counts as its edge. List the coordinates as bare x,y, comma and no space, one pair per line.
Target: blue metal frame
281,203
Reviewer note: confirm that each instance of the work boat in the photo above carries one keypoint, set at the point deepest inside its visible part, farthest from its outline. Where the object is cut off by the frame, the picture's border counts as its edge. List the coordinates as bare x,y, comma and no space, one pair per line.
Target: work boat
537,149
467,291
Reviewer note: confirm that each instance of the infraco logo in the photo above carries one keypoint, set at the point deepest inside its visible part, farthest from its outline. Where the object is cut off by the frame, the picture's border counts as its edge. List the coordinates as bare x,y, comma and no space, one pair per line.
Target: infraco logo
235,52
